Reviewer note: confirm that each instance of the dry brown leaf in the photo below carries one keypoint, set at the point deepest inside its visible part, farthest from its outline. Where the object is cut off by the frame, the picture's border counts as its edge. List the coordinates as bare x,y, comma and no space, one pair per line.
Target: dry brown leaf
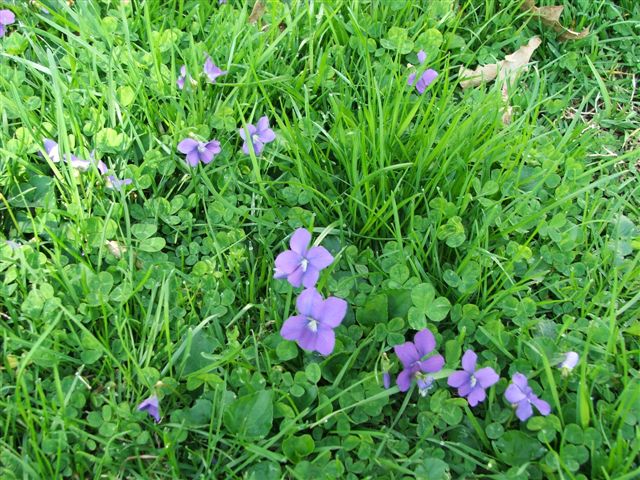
506,69
258,10
550,16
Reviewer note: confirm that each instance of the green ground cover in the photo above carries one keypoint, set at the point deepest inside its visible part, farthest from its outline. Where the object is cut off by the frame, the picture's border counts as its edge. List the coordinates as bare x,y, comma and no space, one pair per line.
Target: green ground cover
518,240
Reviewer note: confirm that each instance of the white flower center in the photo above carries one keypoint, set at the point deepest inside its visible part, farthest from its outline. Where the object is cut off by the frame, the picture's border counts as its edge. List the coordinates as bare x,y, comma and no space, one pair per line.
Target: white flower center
201,147
304,264
313,325
473,381
255,138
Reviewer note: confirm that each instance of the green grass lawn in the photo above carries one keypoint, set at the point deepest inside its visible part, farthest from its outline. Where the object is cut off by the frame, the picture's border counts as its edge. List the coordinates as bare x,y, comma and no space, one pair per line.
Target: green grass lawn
518,240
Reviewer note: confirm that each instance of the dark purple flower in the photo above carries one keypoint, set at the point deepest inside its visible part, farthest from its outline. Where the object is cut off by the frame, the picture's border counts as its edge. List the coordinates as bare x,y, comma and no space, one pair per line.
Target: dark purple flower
258,136
520,394
117,184
182,77
212,71
412,355
425,78
151,406
471,383
7,17
199,151
313,328
302,265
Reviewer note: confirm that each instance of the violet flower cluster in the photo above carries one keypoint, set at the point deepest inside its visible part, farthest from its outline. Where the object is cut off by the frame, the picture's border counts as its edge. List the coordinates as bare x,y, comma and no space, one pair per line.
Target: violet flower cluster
204,152
313,328
420,362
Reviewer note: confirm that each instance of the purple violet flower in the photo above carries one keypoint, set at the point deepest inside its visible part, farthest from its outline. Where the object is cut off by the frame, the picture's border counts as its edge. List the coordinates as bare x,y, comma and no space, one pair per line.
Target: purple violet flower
411,354
302,265
199,151
182,77
425,78
386,380
7,17
570,361
313,328
472,383
258,136
520,394
212,71
152,406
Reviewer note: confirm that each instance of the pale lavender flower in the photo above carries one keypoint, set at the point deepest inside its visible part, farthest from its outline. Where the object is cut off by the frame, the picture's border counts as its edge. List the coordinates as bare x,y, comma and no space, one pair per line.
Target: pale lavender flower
425,78
117,184
199,151
182,77
52,149
212,71
415,365
313,328
520,394
472,383
102,167
570,361
7,17
152,406
258,136
302,265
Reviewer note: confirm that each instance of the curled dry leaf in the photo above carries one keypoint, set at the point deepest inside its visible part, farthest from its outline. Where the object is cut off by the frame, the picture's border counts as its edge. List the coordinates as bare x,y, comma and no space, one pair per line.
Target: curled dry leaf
116,248
506,69
508,109
550,16
258,10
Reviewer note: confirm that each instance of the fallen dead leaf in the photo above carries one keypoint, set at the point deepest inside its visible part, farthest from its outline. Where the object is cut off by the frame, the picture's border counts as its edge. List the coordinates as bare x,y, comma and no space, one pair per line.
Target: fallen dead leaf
507,69
258,10
550,16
